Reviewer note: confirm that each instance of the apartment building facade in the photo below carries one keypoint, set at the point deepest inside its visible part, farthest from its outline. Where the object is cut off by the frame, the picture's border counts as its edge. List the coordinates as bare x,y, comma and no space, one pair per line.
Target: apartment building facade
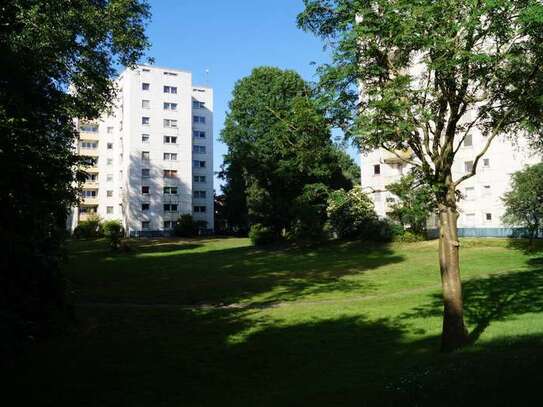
481,208
150,159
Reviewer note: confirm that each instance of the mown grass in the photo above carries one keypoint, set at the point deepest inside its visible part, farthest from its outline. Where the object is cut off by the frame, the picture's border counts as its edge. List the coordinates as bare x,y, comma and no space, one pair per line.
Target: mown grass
216,322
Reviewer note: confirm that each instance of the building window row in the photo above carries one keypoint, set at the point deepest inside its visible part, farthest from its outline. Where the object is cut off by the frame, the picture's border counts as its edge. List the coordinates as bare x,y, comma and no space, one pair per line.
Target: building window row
199,194
196,104
198,149
200,179
199,119
166,89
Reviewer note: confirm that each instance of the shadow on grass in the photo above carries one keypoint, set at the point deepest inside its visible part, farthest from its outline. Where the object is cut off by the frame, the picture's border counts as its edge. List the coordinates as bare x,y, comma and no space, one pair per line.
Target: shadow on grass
227,276
171,357
495,298
524,245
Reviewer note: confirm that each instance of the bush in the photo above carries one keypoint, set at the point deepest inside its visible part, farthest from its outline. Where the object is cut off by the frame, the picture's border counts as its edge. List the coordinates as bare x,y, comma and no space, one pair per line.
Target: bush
114,231
309,213
89,229
351,214
185,227
261,235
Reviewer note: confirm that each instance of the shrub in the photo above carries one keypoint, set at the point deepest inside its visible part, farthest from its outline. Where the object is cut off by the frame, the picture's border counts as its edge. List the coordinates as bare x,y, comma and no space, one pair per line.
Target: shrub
261,235
186,226
309,213
351,214
91,228
113,230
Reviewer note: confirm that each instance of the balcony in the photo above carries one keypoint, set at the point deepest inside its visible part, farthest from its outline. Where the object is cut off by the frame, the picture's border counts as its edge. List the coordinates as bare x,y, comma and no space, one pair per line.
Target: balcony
89,201
398,157
88,136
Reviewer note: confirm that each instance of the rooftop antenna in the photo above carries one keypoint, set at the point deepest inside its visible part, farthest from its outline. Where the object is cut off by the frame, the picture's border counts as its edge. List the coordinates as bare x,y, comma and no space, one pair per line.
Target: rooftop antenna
206,76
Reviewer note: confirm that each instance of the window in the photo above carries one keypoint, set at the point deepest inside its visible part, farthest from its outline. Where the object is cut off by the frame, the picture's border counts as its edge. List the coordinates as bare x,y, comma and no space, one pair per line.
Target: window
145,225
89,145
201,179
170,156
109,161
488,216
170,190
109,177
110,130
144,189
109,146
390,199
170,173
92,177
199,149
170,123
170,106
145,86
169,224
145,155
170,89
198,134
199,209
469,193
377,169
89,194
468,140
146,104
145,138
196,104
145,207
486,162
198,119
170,207
468,166
145,172
89,128
146,70
170,139
200,194
109,210
198,164
109,194
145,121
170,73
89,160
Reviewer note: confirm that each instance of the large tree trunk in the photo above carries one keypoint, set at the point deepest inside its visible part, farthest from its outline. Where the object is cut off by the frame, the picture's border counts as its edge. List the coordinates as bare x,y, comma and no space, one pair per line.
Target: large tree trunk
455,334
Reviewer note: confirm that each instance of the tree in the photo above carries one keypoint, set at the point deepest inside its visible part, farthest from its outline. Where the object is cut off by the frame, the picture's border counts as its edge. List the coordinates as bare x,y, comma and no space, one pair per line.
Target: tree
278,146
417,76
415,203
46,48
524,203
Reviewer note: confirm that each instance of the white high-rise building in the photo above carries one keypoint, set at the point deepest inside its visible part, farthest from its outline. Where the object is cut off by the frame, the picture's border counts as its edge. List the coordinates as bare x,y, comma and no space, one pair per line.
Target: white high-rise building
151,157
481,209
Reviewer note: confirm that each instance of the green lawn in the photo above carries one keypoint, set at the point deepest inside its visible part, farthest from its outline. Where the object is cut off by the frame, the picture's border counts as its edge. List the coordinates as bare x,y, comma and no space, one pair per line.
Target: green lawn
219,323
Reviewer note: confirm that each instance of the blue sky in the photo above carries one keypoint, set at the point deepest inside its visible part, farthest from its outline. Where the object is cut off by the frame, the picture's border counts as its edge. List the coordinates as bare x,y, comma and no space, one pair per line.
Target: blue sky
230,38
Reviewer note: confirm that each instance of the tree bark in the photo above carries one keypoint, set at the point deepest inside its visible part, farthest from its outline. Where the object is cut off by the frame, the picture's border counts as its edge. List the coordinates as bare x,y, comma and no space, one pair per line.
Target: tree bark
454,334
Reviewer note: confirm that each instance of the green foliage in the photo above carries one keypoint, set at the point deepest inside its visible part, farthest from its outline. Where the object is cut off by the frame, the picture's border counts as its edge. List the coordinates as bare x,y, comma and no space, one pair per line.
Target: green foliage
278,143
90,228
114,232
261,235
185,226
309,214
524,203
352,215
415,203
48,47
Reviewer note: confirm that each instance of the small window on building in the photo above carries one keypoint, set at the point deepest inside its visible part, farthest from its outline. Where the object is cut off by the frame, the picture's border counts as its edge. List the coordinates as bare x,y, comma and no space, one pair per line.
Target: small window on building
109,210
170,173
170,140
145,225
145,120
488,216
109,177
109,194
468,166
110,146
145,155
198,149
109,130
486,162
109,161
169,123
377,169
144,189
146,104
145,138
170,207
198,119
198,134
196,104
170,106
200,194
170,73
198,164
144,207
145,172
468,140
201,179
170,190
170,89
145,86
200,209
170,156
